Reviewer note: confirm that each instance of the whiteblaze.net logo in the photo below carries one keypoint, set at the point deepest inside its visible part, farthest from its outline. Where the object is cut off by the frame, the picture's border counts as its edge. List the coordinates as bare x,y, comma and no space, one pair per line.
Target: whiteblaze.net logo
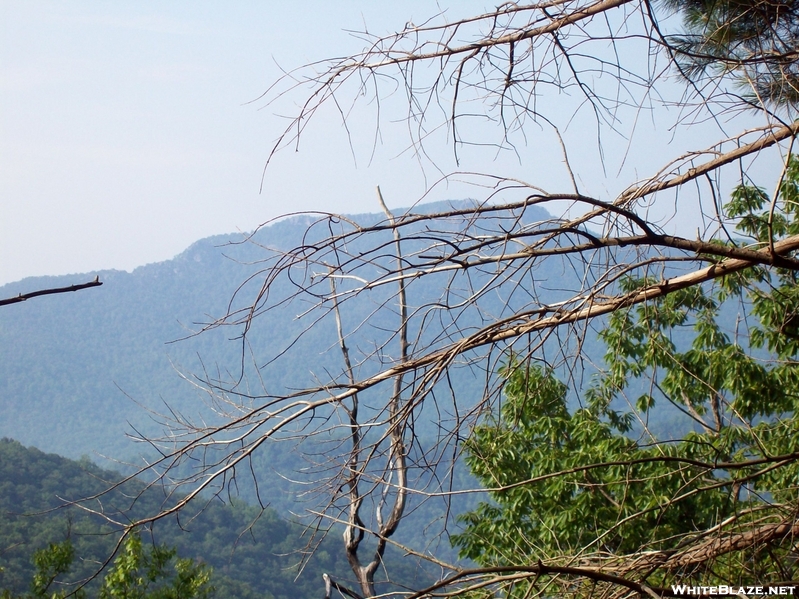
732,590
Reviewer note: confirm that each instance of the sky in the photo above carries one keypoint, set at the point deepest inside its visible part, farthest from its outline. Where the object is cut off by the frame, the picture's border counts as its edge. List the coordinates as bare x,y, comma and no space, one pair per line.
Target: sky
129,130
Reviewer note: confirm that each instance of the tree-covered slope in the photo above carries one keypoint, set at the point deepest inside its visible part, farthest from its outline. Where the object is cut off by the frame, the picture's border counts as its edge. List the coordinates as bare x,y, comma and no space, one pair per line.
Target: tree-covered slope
253,552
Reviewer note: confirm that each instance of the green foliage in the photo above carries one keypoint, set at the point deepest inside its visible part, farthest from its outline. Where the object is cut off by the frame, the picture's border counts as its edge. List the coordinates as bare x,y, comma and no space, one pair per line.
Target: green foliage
138,574
579,485
51,563
754,39
254,553
135,574
571,507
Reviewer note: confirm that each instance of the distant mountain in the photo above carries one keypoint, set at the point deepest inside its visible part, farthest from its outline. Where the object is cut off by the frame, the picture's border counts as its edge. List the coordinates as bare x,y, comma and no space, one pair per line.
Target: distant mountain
77,371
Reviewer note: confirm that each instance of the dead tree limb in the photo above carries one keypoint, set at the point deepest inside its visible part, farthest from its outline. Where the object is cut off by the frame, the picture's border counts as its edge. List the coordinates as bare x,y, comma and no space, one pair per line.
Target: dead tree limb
26,296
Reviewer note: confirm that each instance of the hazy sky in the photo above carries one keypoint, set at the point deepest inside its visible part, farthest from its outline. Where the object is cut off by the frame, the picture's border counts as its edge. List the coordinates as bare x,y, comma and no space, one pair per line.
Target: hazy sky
128,130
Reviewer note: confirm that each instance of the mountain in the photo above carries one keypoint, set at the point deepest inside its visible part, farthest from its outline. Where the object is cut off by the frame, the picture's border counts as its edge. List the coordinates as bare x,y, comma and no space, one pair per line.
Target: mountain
78,371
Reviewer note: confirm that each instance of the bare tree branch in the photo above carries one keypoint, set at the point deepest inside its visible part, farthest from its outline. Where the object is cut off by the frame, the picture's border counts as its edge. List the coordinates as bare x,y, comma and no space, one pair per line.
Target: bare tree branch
423,309
26,296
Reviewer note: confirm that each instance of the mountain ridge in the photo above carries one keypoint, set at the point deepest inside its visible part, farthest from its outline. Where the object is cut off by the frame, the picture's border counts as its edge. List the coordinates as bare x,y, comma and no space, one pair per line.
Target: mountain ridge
79,371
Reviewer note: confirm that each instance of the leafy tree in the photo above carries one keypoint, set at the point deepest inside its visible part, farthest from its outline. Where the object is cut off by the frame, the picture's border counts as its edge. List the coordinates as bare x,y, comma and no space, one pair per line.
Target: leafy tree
715,503
138,574
135,574
51,563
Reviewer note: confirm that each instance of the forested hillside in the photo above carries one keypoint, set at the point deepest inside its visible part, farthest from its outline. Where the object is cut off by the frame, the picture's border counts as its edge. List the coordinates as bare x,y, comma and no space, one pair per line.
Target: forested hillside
253,553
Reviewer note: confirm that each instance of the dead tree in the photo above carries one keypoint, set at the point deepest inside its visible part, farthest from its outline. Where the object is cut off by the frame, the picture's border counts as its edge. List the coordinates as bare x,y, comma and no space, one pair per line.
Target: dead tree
510,67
